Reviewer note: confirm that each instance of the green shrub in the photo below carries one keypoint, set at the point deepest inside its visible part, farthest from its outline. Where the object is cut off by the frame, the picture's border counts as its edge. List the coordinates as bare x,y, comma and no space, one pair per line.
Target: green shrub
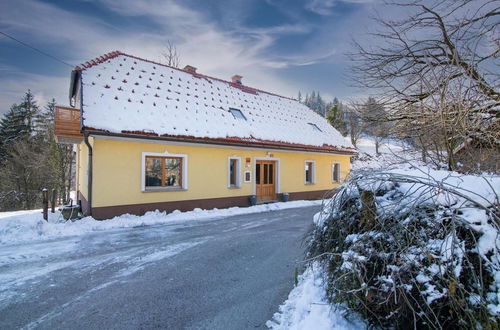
411,252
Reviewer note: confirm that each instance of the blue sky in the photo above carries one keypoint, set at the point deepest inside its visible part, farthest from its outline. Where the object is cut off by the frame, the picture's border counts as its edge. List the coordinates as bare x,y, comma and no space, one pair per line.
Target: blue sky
276,45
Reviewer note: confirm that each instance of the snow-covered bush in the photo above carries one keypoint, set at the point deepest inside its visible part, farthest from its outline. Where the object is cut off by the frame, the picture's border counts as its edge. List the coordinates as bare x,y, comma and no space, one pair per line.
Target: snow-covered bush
413,251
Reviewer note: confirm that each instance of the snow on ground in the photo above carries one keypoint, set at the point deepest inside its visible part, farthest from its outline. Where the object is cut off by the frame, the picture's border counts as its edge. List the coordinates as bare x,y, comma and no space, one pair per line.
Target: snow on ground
307,307
22,226
391,153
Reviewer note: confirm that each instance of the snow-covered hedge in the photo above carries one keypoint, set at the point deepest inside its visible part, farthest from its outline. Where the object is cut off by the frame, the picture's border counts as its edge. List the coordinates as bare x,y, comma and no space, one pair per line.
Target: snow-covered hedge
408,248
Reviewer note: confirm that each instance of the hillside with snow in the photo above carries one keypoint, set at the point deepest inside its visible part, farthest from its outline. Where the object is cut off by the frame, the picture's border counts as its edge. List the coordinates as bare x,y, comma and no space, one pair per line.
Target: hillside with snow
457,215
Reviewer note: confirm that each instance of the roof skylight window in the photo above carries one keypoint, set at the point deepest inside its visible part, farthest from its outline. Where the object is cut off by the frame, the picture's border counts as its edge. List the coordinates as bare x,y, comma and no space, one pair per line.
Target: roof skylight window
315,127
237,114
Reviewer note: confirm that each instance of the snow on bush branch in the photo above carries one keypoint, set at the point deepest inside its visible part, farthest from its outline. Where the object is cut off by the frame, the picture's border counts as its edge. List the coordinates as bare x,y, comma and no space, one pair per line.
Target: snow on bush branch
411,248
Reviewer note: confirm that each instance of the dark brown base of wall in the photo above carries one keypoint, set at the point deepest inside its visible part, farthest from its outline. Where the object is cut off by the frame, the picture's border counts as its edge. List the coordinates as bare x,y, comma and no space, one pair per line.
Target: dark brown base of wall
85,204
318,194
108,212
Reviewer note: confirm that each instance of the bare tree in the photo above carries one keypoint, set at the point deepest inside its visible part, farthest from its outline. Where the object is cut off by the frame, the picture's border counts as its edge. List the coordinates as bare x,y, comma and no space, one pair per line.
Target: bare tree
353,120
375,122
170,55
436,71
23,176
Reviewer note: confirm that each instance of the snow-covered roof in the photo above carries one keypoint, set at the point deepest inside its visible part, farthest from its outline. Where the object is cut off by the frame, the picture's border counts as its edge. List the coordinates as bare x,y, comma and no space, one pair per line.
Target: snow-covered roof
125,94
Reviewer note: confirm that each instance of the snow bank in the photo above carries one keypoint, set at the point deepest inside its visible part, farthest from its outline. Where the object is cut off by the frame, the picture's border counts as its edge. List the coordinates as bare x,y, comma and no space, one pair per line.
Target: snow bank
20,226
412,231
307,307
392,153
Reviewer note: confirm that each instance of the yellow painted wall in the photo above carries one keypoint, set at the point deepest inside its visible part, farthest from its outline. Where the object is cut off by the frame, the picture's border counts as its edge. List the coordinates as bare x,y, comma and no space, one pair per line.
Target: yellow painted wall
82,168
117,172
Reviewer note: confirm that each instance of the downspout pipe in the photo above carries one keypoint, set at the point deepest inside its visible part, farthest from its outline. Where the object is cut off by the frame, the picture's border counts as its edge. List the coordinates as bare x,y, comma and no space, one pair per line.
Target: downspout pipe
89,146
89,176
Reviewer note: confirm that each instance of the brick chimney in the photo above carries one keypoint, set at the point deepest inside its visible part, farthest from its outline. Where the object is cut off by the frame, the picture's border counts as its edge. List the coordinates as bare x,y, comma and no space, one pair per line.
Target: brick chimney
237,79
190,69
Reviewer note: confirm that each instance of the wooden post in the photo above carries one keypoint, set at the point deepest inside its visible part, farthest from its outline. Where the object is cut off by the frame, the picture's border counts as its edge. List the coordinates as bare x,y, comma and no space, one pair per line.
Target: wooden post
45,199
53,201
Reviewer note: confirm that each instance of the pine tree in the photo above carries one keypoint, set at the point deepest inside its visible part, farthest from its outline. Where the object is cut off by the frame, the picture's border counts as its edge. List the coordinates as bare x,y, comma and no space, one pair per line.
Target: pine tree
335,119
18,123
59,156
374,115
31,158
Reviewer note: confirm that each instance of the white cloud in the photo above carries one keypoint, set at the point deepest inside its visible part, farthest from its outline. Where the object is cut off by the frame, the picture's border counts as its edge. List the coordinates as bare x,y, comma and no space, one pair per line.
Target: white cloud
200,42
43,87
321,7
325,7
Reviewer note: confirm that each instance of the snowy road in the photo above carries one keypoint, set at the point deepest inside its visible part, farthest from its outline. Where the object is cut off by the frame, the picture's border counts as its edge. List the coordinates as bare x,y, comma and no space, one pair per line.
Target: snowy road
230,273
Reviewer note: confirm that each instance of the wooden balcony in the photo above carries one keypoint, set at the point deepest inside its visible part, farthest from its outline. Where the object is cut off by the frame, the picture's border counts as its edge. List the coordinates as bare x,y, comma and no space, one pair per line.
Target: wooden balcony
67,125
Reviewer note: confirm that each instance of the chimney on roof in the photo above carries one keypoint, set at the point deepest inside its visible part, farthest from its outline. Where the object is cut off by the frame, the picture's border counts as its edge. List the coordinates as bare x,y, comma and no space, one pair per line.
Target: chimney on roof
190,69
237,79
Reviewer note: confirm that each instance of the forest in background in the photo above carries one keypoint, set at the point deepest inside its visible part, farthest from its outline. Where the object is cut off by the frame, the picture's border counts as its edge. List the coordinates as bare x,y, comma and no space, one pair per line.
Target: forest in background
30,157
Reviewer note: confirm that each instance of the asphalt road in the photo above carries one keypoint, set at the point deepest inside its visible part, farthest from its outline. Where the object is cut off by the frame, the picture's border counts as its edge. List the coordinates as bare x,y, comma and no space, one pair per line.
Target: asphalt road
229,273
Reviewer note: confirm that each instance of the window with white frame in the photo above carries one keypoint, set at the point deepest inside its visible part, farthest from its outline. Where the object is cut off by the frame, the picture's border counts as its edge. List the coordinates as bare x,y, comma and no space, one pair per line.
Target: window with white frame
164,172
248,176
309,172
233,173
336,172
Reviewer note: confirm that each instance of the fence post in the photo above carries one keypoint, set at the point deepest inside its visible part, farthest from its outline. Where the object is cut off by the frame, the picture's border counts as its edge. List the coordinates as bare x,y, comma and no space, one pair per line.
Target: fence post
53,210
45,199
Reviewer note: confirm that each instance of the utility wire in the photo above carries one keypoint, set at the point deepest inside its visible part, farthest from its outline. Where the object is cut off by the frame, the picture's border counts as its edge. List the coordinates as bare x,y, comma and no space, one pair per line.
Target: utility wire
37,50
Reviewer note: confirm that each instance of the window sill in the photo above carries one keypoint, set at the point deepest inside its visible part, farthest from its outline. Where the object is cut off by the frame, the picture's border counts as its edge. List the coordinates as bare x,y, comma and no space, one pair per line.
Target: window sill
309,183
234,187
163,189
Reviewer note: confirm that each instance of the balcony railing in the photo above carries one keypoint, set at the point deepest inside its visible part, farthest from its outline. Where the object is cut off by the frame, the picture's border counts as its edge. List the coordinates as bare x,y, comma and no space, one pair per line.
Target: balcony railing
67,125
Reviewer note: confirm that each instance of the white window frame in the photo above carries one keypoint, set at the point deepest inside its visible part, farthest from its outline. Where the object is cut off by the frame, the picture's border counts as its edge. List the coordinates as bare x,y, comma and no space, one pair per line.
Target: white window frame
333,172
165,154
238,172
313,176
249,176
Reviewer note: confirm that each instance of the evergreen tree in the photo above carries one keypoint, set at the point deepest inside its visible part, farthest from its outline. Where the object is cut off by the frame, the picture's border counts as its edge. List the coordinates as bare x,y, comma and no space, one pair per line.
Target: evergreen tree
59,156
374,115
18,123
30,157
316,103
335,119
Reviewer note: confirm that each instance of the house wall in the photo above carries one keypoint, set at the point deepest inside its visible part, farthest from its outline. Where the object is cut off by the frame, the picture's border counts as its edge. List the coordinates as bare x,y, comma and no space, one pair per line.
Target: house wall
117,176
82,162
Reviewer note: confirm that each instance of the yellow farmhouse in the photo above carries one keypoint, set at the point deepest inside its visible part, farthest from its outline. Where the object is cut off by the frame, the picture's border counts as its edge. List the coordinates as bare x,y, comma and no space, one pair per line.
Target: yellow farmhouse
148,136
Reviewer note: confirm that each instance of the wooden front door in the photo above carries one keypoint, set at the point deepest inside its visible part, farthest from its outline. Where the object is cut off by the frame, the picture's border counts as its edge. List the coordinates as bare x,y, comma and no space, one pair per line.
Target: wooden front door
265,179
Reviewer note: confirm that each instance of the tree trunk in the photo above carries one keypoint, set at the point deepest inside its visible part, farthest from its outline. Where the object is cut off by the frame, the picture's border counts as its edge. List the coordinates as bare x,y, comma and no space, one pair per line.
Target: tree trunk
368,209
423,149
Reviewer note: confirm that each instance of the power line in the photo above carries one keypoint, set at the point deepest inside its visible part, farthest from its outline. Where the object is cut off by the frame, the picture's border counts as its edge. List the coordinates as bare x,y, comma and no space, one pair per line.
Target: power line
37,50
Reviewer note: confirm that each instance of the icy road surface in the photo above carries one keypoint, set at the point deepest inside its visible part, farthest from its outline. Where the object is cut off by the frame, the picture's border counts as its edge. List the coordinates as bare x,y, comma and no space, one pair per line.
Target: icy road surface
230,273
